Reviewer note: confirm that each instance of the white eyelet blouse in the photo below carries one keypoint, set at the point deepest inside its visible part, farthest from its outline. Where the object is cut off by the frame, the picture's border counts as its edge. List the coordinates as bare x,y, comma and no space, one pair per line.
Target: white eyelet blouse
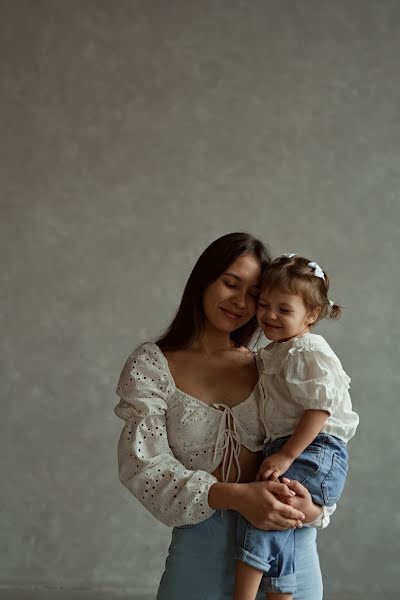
171,441
300,374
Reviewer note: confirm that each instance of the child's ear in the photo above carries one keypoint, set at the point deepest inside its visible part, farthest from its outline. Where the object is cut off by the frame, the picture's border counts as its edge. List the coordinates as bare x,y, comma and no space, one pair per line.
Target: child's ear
313,315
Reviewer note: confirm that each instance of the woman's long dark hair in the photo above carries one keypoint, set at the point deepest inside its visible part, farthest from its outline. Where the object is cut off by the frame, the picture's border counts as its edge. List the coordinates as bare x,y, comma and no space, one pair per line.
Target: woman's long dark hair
189,320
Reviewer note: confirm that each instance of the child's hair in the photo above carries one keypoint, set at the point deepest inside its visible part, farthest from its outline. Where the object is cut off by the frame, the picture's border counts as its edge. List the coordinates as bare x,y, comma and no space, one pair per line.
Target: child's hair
293,274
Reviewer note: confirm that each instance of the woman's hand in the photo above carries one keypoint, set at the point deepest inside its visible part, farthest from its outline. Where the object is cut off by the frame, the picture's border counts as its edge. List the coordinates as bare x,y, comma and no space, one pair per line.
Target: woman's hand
258,503
302,500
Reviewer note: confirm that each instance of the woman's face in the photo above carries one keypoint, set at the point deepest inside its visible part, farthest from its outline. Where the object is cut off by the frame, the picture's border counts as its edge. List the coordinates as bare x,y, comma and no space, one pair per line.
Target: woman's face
231,300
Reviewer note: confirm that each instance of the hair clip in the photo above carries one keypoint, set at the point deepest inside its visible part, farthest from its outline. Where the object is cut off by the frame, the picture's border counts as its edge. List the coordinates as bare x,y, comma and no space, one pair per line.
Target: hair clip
289,254
318,272
331,303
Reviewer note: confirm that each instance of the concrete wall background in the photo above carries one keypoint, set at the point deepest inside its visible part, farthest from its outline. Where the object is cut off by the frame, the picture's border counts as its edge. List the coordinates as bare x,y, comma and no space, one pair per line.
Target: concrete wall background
133,134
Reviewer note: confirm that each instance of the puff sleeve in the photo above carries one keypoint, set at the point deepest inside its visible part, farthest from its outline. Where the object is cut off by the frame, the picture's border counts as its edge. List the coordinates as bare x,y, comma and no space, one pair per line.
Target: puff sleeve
315,378
147,467
323,520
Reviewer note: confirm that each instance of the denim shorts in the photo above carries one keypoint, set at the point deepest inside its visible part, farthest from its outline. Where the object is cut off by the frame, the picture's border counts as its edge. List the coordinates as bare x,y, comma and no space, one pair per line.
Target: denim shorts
322,469
201,562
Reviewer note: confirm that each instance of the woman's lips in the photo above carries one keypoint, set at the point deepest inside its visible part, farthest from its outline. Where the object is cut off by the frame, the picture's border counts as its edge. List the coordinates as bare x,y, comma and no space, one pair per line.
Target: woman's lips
231,315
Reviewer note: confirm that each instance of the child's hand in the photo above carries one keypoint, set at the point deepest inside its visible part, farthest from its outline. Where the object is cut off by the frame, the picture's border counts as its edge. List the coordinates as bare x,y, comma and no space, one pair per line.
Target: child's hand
273,466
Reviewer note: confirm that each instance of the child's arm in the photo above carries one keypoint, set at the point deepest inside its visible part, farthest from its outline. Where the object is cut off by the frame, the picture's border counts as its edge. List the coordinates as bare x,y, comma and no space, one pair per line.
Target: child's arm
306,431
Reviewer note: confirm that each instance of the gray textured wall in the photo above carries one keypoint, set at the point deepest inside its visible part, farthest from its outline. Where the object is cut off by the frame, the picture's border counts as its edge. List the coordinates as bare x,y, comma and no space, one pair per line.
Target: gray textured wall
133,133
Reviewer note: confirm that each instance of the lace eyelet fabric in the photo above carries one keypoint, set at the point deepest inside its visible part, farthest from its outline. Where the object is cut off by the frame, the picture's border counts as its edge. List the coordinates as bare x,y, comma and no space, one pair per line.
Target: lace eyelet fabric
172,441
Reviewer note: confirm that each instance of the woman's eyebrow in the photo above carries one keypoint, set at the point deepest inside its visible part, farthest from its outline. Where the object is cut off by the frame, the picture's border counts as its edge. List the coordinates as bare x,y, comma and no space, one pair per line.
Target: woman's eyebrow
233,275
240,279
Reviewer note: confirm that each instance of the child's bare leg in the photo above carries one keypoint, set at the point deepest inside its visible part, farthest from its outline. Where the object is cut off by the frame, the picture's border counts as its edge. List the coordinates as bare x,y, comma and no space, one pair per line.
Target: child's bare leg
279,596
247,581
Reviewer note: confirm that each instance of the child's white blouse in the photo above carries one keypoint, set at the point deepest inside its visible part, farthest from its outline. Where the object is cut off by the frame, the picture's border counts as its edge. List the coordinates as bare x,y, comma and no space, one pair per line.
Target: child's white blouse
171,441
300,374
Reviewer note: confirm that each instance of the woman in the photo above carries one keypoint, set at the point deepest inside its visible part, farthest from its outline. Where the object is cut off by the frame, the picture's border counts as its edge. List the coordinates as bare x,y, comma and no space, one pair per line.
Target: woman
189,450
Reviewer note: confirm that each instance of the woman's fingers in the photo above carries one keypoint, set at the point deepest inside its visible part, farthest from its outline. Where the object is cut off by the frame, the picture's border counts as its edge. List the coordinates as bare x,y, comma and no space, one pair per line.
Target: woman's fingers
289,512
276,520
259,504
295,486
280,489
302,500
286,524
285,521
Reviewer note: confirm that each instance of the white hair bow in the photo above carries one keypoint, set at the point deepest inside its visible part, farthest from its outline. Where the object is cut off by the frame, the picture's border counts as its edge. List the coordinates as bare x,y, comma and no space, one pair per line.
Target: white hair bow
318,272
289,254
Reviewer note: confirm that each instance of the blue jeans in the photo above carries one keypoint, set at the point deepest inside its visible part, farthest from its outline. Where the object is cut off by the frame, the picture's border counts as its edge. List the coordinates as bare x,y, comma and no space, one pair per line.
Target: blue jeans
201,562
322,469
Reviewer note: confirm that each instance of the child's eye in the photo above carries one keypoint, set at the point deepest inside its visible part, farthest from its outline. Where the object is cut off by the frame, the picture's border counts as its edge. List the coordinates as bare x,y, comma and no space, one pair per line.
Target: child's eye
285,310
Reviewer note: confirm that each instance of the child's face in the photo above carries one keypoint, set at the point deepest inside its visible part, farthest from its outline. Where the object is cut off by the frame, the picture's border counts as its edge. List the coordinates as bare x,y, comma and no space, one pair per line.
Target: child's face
282,316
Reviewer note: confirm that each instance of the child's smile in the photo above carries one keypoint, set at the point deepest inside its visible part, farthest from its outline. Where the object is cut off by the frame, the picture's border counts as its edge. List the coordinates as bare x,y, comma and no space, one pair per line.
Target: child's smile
282,315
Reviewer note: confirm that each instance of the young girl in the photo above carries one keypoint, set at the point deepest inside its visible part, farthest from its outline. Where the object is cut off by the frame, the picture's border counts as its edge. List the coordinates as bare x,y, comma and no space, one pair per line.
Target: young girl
306,411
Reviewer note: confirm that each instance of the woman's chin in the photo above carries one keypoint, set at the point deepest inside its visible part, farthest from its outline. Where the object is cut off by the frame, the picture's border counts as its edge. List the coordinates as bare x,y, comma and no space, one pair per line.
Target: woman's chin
229,325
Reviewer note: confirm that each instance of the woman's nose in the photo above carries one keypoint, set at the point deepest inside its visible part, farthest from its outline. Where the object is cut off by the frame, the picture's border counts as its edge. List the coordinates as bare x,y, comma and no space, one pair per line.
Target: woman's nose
240,299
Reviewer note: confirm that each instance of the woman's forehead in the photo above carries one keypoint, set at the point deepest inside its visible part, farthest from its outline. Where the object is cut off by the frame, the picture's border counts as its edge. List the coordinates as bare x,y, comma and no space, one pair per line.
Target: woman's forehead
246,268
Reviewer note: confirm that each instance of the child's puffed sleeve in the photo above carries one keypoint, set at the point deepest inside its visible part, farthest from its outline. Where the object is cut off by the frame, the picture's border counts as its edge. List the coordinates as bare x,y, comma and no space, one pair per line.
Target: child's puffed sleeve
323,519
315,378
147,467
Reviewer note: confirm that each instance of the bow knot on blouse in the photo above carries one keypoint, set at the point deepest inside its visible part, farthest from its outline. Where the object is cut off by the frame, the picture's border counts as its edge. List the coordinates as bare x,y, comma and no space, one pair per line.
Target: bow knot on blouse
228,442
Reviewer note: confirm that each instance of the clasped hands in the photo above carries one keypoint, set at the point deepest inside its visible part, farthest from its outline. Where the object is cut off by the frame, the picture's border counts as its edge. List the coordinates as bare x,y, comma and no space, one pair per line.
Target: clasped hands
276,465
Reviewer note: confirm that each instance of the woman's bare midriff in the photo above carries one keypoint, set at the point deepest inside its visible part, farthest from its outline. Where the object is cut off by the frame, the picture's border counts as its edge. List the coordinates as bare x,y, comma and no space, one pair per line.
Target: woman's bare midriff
249,464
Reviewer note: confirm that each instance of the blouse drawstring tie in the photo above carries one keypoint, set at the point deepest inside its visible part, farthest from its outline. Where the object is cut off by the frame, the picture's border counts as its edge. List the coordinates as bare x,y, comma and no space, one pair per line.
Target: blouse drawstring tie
228,441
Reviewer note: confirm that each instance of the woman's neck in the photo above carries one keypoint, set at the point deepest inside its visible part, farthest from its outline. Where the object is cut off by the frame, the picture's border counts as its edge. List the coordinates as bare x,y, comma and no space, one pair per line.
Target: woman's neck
213,342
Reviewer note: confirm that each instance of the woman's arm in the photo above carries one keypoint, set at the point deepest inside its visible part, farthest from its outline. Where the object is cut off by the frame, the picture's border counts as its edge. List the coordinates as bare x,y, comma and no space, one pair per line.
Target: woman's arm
148,468
258,503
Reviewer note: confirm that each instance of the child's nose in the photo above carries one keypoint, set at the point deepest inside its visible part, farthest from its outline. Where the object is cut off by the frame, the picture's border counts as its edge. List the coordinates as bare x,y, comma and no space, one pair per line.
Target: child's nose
271,314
